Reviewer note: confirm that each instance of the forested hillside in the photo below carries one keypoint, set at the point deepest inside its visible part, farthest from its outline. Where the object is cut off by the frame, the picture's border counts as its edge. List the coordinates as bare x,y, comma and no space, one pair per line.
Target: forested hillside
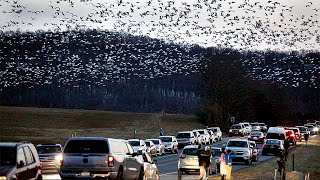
95,69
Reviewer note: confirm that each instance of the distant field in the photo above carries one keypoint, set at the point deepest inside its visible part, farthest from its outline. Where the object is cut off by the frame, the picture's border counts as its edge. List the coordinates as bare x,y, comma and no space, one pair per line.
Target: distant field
44,125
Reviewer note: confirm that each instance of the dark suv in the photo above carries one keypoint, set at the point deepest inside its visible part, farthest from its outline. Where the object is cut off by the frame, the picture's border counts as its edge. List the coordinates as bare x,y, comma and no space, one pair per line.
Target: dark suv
19,160
50,156
97,157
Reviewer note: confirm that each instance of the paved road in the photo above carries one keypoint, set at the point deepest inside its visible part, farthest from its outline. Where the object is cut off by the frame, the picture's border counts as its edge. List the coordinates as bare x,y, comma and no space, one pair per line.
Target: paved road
168,164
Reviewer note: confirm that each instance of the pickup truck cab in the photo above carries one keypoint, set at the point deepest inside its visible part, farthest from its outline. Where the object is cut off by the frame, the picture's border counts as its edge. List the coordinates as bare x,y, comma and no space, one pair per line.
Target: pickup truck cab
242,149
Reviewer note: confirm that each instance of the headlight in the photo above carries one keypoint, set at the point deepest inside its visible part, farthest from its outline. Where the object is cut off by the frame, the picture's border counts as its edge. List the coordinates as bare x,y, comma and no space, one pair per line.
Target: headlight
58,157
3,177
316,129
230,130
246,152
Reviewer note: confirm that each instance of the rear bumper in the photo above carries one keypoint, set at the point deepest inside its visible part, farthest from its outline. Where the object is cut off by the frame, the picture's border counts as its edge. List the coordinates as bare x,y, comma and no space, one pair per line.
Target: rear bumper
79,174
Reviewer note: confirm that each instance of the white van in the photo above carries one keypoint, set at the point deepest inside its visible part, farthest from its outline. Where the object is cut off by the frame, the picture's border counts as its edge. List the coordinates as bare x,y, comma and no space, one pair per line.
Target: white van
276,133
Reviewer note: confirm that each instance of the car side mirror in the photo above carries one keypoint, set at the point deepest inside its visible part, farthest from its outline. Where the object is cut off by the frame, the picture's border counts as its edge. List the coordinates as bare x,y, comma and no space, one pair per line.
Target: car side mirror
20,164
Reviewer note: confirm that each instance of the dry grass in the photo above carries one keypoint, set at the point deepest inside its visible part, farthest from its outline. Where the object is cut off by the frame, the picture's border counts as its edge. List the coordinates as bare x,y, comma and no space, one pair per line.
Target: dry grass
306,161
43,125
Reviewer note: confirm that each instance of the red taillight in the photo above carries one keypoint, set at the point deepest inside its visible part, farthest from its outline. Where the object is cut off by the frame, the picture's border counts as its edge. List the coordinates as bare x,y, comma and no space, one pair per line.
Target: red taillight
110,161
182,156
40,167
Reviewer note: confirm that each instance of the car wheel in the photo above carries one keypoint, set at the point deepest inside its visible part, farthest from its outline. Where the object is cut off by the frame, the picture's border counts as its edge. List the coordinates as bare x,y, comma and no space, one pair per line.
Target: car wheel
141,174
120,174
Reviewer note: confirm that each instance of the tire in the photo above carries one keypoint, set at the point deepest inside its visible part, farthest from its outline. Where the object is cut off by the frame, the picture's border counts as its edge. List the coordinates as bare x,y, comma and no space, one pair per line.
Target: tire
120,175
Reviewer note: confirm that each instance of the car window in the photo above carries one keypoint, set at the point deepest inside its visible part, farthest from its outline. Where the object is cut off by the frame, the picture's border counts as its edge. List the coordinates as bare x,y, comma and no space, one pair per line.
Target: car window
275,136
48,149
148,143
29,155
124,147
166,139
255,133
236,127
183,135
116,146
237,144
7,156
134,143
87,146
21,156
155,141
190,151
273,142
129,148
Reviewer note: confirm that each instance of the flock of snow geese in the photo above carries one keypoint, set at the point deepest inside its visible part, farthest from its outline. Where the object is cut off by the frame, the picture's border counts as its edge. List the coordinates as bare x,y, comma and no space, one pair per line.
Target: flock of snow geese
230,23
245,23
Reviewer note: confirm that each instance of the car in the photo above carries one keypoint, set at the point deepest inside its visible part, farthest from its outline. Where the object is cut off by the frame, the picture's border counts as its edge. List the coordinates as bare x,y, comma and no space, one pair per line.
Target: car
276,133
188,160
297,133
218,132
213,136
170,143
256,136
185,138
255,151
274,146
242,149
98,157
311,129
138,144
255,127
264,127
19,160
198,137
204,135
216,154
160,146
151,148
151,171
303,130
314,129
49,155
237,129
247,126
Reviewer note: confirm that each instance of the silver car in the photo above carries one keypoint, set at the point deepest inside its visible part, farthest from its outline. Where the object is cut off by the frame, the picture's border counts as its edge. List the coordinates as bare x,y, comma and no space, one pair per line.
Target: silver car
189,162
160,146
185,138
91,157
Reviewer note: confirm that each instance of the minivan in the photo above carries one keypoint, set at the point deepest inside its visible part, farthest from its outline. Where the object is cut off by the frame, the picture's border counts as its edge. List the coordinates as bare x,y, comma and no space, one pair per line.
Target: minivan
92,157
276,133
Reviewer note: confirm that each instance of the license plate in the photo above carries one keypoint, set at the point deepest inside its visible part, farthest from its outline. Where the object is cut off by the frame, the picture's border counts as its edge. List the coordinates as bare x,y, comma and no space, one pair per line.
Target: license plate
85,174
271,146
255,138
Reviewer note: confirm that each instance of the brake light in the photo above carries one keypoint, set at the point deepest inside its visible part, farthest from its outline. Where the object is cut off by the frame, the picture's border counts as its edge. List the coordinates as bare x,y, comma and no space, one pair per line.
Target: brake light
110,161
182,157
40,167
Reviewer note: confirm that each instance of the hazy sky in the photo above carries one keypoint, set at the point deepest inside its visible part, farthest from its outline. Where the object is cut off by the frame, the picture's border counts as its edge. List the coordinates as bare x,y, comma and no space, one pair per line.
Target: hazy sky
259,24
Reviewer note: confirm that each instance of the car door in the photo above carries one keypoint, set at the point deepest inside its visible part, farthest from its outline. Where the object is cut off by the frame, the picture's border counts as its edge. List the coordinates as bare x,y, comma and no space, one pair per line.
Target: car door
22,171
32,166
133,167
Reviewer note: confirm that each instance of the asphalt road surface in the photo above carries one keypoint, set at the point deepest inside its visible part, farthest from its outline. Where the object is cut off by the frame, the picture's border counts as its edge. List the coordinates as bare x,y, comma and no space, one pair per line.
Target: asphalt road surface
168,165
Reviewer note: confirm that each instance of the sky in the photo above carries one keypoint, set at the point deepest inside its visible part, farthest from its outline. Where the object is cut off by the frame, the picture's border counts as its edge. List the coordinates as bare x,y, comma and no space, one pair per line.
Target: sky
243,24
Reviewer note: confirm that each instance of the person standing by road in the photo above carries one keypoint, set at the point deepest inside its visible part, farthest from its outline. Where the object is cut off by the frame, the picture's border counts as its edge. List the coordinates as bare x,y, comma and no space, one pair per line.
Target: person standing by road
223,164
229,155
306,138
161,132
202,162
207,157
286,145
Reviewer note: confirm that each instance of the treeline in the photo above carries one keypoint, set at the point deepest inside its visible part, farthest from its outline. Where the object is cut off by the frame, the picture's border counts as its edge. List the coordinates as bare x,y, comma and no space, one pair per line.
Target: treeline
93,69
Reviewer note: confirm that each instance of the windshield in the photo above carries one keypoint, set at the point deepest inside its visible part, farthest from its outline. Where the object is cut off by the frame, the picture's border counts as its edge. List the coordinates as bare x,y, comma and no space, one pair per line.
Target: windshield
294,130
7,156
237,144
48,149
134,143
201,132
166,139
183,135
255,133
214,130
275,136
148,143
273,142
236,127
87,146
155,141
190,151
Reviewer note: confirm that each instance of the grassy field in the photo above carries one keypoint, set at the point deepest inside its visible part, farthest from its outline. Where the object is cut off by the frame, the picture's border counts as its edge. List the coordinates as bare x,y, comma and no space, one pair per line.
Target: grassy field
43,125
306,161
